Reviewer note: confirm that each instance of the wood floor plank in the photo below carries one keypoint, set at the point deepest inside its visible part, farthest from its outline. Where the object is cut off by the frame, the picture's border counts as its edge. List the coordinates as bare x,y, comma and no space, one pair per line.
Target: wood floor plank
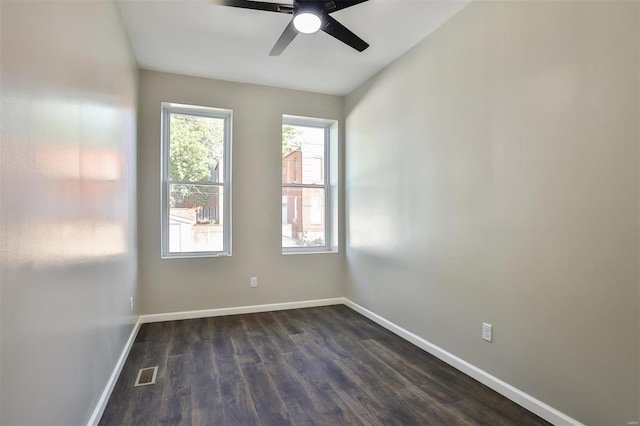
415,376
335,398
345,382
284,319
175,405
184,334
149,396
222,345
155,332
203,376
403,406
407,403
314,366
332,408
261,342
119,410
212,415
278,331
244,352
269,406
237,405
294,396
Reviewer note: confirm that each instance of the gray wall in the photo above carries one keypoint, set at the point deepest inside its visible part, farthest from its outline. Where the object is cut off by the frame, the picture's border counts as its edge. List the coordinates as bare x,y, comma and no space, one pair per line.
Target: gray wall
171,285
67,218
492,175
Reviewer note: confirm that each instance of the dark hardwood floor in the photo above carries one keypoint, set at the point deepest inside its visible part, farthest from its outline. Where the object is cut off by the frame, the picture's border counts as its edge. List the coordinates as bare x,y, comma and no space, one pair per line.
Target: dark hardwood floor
326,366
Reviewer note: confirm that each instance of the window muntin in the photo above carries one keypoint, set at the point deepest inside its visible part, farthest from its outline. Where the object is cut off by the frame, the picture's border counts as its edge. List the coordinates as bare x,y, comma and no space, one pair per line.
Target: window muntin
196,181
305,191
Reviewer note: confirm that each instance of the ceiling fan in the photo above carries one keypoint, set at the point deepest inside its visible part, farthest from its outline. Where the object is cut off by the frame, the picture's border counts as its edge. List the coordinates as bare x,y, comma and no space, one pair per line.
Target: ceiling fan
309,16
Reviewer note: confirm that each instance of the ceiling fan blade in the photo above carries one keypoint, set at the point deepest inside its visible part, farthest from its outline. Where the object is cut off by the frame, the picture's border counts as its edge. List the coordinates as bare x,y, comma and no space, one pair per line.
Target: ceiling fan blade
333,6
285,39
256,5
339,31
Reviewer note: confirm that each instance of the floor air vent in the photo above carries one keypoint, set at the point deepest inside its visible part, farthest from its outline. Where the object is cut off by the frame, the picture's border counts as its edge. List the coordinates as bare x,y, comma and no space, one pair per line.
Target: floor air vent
146,376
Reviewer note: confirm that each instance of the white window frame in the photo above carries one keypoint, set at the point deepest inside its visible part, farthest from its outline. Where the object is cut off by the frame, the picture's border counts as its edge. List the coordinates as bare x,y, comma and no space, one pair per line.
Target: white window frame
226,115
330,219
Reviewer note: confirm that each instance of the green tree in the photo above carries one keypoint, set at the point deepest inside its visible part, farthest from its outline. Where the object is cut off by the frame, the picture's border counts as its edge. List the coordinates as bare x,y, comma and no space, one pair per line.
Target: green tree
196,150
290,140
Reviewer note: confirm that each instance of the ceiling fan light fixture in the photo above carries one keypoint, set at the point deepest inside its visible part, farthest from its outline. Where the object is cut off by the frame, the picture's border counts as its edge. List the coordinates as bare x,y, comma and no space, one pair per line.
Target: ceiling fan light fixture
309,16
307,22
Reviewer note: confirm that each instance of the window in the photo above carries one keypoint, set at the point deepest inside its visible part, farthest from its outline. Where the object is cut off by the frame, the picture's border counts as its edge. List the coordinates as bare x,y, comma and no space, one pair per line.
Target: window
196,185
316,164
307,196
316,211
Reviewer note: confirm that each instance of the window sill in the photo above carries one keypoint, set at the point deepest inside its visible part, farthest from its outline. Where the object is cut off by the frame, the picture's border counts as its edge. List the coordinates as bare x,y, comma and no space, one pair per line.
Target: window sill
289,253
193,255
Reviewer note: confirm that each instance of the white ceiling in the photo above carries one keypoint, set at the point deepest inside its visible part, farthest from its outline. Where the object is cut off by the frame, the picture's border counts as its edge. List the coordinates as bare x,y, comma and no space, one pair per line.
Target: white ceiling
198,38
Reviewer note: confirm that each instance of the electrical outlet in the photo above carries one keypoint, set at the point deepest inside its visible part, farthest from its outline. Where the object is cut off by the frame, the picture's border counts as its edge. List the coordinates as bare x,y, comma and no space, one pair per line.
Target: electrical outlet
131,304
487,332
254,281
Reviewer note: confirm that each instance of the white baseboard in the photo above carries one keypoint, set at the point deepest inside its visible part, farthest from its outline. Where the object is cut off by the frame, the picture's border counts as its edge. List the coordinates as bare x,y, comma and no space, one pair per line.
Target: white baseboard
521,398
106,393
171,316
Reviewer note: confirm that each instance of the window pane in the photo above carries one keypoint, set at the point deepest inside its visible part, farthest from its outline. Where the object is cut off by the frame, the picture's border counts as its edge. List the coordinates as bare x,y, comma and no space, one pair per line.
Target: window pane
196,148
303,222
303,154
195,218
